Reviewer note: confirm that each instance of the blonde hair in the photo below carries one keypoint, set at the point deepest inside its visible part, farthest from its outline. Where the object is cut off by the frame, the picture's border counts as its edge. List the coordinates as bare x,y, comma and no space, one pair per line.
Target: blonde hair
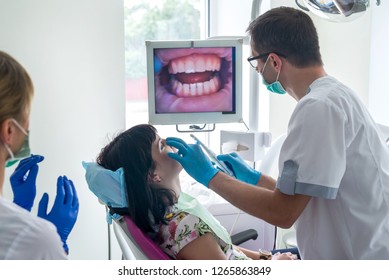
16,88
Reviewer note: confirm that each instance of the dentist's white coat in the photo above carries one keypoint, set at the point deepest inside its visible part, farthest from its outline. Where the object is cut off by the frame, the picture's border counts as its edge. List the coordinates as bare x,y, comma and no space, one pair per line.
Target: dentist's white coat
335,153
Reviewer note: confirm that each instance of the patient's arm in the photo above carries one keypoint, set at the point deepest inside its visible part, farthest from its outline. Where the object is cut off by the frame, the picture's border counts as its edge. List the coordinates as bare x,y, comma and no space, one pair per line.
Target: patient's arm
277,256
202,248
251,254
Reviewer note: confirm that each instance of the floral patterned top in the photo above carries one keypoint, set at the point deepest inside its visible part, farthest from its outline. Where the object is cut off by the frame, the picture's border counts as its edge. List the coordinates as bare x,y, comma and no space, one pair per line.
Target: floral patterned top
183,228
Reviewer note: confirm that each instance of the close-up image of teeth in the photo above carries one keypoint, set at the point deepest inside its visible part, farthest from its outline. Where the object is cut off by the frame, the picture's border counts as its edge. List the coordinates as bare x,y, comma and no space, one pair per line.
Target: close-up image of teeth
194,80
195,75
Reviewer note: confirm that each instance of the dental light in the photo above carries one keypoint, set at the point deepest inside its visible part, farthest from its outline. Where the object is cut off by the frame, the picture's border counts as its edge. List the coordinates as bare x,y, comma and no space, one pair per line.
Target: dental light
336,10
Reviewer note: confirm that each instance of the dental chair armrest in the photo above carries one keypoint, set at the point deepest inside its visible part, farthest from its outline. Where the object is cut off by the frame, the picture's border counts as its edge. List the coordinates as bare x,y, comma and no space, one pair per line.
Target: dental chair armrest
244,236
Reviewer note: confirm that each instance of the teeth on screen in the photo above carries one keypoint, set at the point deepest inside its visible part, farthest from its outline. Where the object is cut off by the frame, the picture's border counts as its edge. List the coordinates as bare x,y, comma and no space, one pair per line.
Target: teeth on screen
196,89
195,63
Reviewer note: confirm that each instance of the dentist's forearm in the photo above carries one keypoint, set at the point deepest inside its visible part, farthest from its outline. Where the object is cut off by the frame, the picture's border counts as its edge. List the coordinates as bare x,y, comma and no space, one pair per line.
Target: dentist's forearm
251,199
260,202
267,182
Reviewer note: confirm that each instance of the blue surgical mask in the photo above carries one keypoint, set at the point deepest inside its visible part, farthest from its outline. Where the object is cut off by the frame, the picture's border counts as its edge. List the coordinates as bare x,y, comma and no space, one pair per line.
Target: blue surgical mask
24,150
275,87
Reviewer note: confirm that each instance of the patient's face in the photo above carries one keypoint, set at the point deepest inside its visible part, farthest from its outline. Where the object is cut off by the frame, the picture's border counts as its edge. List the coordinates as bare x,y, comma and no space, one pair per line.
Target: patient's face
164,163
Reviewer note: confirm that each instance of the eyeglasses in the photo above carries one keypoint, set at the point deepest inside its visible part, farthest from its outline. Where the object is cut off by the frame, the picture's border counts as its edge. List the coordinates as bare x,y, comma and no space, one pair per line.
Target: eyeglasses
253,60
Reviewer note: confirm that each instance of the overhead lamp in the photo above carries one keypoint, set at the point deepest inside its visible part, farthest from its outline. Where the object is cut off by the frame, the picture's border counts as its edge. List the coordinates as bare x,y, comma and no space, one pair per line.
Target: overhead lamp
336,10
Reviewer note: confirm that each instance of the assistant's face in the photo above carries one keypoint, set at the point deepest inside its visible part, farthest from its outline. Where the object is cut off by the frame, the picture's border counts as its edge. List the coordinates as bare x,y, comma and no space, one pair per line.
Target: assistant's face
20,128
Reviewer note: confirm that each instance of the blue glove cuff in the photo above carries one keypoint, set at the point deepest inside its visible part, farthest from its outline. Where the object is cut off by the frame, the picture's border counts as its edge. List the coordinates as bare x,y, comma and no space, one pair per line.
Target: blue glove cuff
27,206
208,176
254,177
66,248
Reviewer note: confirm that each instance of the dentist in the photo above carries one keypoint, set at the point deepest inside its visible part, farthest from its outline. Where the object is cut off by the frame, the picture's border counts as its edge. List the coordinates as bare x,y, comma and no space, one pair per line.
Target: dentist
333,183
23,235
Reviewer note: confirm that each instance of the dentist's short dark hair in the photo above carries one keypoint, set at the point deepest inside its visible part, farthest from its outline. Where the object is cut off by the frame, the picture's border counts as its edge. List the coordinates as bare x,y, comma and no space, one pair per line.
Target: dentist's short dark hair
288,31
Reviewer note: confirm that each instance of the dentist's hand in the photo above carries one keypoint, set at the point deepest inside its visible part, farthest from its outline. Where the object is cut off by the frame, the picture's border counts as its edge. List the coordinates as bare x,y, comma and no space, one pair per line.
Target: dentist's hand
23,181
65,209
242,170
193,160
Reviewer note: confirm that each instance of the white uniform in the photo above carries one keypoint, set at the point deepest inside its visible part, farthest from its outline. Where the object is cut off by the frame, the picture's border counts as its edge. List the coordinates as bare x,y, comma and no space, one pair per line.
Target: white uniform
335,153
24,236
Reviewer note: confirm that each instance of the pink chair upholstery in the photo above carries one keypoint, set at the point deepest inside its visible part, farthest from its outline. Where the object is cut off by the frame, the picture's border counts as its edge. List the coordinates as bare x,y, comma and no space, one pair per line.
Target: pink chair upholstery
149,248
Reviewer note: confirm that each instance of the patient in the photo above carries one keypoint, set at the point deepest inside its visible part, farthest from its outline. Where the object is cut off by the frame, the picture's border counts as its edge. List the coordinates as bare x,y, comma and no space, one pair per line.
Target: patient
182,227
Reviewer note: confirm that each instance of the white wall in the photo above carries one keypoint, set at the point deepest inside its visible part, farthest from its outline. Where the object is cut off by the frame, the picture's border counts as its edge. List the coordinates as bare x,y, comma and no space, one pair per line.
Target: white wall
231,18
379,73
222,11
74,52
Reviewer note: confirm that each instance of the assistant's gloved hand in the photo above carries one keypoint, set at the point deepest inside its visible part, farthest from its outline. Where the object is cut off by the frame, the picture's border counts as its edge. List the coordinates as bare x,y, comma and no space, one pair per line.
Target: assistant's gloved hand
193,160
23,181
65,209
242,170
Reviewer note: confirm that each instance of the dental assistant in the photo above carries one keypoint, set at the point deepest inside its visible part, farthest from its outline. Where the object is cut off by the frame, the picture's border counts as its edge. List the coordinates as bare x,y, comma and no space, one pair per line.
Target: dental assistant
23,235
333,183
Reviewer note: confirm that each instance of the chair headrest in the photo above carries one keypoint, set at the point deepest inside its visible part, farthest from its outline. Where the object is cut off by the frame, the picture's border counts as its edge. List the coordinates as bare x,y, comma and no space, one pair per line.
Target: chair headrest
107,185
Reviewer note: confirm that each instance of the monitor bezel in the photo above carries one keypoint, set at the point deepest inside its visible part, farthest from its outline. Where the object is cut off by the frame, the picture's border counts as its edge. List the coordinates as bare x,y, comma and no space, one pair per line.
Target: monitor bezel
194,117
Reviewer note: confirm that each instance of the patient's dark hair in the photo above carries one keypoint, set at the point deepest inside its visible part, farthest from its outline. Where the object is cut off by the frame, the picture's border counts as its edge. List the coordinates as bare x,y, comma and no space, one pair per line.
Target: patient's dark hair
131,150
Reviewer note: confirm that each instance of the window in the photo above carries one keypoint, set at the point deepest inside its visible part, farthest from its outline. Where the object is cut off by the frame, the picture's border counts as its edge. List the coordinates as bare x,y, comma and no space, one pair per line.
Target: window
154,20
175,20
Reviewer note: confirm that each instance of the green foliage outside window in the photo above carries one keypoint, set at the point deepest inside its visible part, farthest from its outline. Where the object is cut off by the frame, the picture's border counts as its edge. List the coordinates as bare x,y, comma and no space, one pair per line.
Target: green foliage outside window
156,20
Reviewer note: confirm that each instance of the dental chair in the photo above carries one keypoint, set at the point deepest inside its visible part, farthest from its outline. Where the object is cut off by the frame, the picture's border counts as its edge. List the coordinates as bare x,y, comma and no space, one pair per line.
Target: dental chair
134,243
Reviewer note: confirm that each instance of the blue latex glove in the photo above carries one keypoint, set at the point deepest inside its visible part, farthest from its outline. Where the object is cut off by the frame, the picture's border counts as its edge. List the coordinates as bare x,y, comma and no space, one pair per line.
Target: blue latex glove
193,160
64,211
23,181
242,170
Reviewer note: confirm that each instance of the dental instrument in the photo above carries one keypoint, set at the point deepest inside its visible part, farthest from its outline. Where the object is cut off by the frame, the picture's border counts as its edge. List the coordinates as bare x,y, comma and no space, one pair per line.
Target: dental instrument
220,164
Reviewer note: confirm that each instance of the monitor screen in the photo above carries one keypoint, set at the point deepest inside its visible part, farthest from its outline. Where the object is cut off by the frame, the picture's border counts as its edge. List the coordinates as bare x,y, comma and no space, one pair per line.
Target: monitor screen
194,82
